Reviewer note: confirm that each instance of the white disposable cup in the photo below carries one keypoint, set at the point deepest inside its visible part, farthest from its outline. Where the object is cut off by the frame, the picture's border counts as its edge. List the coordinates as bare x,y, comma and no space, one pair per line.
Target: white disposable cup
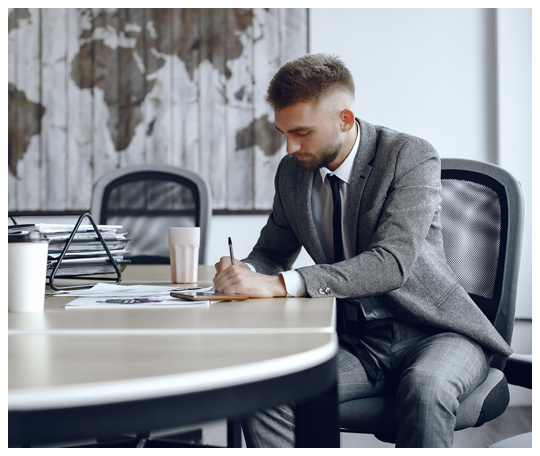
27,270
184,253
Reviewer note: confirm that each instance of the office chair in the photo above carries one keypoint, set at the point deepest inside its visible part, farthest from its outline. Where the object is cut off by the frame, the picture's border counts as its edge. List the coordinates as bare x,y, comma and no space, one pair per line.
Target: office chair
146,200
482,224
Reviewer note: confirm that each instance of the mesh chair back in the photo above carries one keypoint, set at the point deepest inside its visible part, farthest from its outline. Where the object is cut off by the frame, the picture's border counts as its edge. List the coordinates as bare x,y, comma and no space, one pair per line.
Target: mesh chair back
472,220
481,215
146,201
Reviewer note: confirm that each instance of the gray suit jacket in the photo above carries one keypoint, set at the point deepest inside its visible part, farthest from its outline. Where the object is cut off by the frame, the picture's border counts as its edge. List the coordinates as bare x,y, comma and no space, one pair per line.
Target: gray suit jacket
398,241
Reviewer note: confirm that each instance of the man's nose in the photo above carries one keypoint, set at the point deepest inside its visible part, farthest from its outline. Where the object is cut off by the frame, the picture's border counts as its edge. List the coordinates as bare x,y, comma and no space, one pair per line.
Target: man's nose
293,146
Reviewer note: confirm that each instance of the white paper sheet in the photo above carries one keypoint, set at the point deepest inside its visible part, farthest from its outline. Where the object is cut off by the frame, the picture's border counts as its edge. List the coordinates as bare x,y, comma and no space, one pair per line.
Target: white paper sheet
110,296
153,302
109,290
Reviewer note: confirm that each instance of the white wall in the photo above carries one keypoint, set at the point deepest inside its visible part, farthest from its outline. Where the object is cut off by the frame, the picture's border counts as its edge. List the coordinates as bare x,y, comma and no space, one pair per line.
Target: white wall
244,231
514,70
460,78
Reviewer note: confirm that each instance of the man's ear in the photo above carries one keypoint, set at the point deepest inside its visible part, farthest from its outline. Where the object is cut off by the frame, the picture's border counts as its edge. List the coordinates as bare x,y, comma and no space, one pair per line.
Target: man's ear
347,120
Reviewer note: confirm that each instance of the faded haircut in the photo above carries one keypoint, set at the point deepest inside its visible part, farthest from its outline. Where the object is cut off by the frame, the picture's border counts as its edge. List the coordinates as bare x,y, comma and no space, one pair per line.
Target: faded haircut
308,78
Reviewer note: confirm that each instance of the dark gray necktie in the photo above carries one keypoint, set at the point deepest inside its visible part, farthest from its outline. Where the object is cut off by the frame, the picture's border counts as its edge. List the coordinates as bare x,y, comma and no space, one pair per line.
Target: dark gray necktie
336,221
353,328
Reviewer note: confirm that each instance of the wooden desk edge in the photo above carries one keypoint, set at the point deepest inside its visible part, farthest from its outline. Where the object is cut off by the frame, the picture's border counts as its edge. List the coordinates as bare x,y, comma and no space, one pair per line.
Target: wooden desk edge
153,387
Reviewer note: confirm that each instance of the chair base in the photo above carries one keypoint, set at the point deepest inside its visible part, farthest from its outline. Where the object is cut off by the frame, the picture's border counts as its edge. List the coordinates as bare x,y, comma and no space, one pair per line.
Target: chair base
188,439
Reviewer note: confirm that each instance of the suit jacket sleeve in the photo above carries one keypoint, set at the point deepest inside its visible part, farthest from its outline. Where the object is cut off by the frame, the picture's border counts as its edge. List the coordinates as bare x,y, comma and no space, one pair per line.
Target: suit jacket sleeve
278,246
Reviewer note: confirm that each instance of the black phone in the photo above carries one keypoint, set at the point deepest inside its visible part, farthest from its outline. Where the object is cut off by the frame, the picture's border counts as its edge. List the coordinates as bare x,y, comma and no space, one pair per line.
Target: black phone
209,296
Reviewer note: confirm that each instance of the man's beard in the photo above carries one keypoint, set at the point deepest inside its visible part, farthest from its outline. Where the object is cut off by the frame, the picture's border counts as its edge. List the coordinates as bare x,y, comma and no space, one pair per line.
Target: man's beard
323,157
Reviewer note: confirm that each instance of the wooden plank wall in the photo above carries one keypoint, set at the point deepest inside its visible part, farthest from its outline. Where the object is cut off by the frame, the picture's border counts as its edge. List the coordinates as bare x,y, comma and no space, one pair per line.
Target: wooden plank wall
92,90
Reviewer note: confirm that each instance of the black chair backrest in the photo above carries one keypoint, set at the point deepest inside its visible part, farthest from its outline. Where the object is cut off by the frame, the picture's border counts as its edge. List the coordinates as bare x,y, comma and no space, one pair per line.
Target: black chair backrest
146,201
482,220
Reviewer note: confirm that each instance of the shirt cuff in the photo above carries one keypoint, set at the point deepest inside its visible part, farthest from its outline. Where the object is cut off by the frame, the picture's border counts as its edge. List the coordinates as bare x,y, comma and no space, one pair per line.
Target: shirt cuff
250,266
294,283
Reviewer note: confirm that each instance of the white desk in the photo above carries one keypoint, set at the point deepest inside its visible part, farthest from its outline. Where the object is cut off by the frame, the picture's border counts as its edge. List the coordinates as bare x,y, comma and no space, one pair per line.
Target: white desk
155,368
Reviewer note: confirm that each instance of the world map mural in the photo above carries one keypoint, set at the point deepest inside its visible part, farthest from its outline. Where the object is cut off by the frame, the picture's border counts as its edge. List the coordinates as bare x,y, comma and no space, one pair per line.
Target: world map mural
92,90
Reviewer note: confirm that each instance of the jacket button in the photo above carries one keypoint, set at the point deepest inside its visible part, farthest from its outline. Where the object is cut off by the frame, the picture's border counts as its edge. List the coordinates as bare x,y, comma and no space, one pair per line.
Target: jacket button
321,291
328,291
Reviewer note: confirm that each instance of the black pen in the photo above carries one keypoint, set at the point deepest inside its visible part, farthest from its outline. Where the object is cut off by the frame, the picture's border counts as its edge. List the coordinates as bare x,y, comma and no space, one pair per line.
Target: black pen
231,252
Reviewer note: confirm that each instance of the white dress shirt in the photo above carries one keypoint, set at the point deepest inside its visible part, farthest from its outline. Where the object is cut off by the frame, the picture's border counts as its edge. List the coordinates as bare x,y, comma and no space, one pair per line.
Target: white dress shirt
322,207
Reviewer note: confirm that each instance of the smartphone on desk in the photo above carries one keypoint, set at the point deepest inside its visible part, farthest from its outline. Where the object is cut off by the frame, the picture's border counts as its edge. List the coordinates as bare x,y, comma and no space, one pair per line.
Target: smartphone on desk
209,296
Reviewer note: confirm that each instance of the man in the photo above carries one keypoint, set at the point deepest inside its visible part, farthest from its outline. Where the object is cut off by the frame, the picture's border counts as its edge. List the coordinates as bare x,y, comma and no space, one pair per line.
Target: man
364,202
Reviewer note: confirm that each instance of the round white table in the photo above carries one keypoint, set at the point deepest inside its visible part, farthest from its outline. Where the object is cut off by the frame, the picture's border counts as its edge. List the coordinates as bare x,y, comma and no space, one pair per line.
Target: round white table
75,373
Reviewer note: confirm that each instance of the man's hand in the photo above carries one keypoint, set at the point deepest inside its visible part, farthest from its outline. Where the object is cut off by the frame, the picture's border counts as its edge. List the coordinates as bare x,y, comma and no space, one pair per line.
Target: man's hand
240,279
225,262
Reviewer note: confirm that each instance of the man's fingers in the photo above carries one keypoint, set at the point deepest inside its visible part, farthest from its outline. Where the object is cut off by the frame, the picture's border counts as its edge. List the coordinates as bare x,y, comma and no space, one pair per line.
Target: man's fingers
222,278
223,264
229,280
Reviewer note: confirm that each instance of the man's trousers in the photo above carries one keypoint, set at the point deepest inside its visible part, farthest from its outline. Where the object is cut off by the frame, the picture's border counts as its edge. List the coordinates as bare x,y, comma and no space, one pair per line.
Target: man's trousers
429,372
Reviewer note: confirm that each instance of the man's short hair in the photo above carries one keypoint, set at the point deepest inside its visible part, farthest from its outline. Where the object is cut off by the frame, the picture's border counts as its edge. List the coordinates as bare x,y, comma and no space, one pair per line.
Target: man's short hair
308,78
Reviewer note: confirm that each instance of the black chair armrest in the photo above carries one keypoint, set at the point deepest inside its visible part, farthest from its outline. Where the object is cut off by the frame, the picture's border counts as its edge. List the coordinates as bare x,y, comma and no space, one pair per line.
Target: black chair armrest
518,370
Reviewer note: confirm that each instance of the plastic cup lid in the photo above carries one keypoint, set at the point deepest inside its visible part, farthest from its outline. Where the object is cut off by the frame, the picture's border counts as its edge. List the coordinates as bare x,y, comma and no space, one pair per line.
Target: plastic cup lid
28,236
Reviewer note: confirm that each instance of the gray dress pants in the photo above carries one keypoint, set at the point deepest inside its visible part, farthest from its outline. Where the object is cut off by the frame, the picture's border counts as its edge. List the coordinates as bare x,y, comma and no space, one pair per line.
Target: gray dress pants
429,372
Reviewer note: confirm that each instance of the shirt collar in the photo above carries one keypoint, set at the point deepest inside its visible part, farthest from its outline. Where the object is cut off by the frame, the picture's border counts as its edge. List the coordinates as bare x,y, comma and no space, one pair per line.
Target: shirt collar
344,170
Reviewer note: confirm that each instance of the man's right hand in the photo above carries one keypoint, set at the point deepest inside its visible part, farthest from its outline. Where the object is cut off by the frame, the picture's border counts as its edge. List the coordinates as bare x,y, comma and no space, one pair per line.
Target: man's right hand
240,279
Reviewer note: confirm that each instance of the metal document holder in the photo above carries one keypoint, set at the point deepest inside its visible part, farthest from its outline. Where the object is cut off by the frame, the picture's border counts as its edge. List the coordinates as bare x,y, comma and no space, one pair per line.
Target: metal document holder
118,278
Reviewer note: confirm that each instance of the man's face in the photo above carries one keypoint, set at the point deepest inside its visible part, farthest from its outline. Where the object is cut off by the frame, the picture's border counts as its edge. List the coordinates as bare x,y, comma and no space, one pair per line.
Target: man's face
313,135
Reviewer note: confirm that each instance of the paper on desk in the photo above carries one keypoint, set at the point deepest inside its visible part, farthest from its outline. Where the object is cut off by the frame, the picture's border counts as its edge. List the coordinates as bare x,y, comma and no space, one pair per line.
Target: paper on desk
107,295
126,303
108,290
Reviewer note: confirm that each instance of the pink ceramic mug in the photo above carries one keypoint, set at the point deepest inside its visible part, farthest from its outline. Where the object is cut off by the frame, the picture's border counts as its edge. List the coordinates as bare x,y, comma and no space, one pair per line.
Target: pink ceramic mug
184,253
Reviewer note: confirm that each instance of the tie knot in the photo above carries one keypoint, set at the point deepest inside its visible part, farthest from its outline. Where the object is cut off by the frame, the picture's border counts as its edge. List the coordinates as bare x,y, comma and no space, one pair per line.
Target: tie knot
334,183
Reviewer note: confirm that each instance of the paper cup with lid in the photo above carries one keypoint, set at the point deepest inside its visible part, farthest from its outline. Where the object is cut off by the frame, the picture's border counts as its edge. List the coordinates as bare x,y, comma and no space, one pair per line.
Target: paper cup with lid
27,271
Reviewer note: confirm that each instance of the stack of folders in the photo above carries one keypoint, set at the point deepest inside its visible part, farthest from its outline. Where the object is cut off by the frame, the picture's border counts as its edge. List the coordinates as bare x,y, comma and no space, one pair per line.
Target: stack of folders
85,255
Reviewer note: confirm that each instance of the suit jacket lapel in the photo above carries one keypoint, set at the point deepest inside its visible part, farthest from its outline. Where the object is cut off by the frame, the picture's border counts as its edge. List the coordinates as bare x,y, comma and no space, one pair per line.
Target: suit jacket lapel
309,237
359,177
